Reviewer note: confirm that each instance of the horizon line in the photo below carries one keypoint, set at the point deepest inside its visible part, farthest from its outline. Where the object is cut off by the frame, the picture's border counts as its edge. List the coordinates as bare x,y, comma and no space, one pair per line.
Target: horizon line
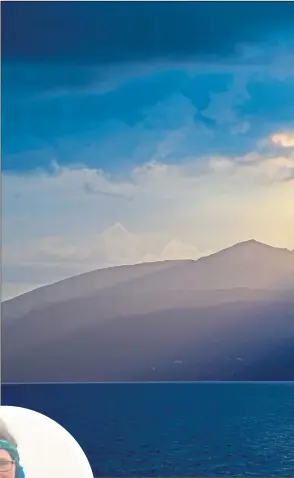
200,382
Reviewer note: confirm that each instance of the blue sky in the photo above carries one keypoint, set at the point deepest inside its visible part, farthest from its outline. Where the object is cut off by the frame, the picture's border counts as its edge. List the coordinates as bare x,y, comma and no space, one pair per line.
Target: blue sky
143,131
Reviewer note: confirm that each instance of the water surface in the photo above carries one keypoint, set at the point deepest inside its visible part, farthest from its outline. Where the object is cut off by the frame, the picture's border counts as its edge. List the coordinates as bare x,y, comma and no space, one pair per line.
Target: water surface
173,429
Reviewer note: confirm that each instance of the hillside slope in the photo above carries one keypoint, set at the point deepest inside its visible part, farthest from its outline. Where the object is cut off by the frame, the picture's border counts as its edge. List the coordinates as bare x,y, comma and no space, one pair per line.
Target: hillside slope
210,319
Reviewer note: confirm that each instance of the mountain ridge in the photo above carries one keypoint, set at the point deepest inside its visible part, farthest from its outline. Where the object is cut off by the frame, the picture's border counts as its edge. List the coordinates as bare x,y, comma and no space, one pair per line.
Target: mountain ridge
130,319
233,267
163,263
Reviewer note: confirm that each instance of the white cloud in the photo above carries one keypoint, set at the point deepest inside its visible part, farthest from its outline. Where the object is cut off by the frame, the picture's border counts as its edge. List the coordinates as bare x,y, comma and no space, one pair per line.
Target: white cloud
280,168
176,249
285,139
81,218
55,258
52,228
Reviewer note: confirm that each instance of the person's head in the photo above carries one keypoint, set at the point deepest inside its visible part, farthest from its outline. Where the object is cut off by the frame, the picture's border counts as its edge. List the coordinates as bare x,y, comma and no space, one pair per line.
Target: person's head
9,457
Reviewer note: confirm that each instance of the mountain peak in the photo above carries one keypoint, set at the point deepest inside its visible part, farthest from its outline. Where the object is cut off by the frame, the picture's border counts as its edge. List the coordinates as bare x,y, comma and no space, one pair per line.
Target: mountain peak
253,244
253,241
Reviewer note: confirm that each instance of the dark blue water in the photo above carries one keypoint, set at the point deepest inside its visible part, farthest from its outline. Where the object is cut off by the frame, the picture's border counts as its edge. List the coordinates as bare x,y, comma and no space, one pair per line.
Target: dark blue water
172,429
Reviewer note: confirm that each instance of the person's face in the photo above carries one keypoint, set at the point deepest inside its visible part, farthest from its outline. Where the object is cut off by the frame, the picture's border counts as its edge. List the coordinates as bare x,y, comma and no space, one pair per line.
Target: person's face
7,466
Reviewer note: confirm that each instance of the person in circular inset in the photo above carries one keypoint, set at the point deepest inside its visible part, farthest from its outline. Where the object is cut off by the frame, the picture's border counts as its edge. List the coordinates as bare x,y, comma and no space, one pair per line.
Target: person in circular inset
10,466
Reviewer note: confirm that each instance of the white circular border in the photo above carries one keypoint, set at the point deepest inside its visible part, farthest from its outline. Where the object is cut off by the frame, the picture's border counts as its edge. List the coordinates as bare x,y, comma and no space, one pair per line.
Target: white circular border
46,449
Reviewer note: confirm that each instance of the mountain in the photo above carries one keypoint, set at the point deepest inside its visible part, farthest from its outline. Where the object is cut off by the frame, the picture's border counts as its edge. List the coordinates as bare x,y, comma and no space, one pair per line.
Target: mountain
218,318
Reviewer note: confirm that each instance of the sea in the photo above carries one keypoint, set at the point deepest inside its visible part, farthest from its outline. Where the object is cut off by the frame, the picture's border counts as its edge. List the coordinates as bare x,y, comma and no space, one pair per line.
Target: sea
172,429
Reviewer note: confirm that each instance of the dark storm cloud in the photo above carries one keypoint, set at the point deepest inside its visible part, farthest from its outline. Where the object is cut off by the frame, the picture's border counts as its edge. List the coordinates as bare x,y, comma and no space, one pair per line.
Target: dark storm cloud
99,32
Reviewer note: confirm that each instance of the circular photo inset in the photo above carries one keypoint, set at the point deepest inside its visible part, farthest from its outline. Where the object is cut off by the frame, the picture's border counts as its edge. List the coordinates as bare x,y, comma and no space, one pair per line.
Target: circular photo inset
34,446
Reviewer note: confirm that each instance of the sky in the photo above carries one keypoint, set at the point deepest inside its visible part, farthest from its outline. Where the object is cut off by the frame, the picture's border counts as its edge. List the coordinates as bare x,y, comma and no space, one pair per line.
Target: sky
46,449
138,131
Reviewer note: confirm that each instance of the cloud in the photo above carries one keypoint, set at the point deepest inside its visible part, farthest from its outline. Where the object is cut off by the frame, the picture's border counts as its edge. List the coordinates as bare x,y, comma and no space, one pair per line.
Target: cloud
223,107
89,189
176,249
113,246
53,229
174,122
49,259
285,139
140,33
280,169
207,106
